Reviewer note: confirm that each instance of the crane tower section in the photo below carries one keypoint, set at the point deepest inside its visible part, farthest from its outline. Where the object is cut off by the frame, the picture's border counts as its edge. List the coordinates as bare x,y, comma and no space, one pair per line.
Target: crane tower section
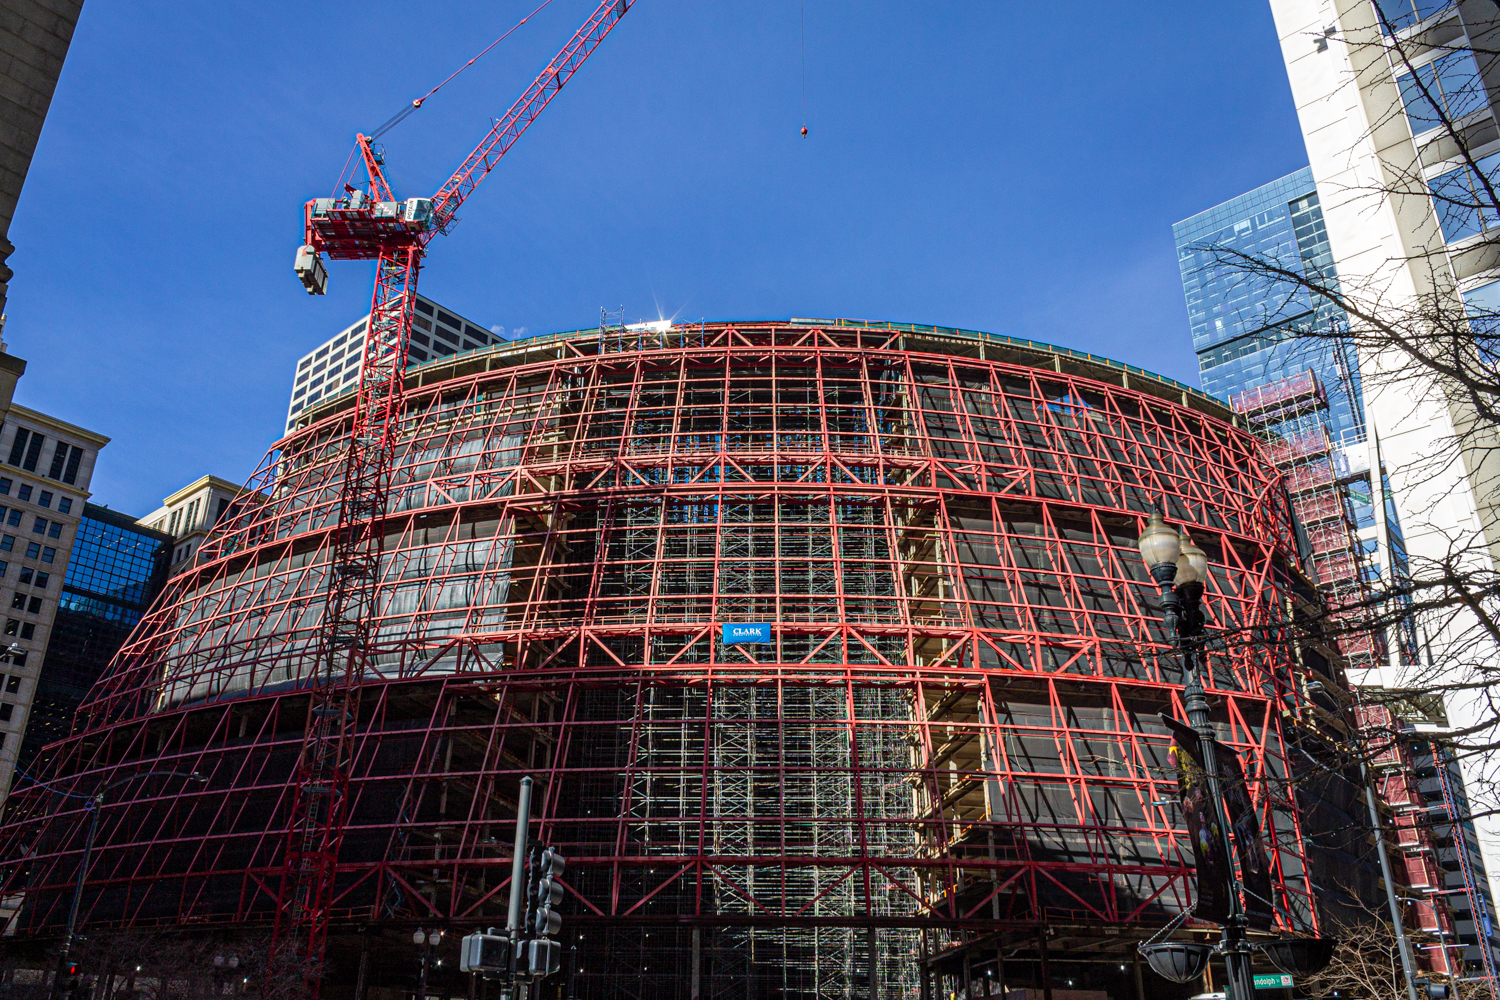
370,223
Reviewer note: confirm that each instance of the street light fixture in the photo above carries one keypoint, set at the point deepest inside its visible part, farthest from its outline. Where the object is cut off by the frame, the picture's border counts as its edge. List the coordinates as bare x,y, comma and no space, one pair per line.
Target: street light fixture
1180,569
425,941
93,807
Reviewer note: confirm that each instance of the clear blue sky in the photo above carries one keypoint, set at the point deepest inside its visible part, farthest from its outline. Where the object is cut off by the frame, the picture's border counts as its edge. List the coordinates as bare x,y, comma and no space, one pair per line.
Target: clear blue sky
985,164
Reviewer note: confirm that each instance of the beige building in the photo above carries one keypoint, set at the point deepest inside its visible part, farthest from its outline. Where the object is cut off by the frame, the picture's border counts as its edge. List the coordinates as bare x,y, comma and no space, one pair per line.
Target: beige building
45,469
190,513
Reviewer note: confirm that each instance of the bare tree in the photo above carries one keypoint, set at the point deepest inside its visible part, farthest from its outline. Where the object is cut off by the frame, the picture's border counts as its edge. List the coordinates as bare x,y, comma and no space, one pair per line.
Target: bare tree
1425,76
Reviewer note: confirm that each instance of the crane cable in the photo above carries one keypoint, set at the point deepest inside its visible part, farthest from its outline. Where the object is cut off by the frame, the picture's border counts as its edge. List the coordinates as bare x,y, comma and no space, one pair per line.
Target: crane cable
404,113
804,69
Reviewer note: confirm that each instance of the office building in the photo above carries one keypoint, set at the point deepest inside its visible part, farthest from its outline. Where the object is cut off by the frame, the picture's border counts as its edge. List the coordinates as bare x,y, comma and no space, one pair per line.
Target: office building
334,366
117,567
1303,395
188,515
44,482
1393,96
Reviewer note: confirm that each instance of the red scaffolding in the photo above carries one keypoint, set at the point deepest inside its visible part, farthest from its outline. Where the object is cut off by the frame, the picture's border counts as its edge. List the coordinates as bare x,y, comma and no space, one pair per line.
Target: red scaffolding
951,740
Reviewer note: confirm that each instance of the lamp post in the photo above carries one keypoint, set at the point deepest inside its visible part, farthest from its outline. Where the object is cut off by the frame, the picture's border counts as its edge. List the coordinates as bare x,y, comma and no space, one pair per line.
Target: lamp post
425,942
1179,568
93,807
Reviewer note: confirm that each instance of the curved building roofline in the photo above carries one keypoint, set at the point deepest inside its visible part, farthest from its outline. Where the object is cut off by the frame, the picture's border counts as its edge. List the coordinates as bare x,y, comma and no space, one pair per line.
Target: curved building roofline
915,337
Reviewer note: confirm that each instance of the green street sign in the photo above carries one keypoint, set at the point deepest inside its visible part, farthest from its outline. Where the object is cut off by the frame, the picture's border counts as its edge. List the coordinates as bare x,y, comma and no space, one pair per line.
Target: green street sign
1276,981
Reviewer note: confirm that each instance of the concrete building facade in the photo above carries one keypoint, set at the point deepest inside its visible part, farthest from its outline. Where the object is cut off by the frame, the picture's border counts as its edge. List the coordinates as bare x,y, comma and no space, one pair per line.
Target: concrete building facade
188,515
34,40
45,468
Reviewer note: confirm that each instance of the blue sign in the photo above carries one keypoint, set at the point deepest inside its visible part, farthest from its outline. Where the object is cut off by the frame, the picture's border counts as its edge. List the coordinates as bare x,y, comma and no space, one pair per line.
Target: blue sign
756,632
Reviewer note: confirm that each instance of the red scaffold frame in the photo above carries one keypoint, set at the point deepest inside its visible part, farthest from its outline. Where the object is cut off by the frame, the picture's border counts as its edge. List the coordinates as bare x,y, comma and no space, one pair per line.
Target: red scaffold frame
952,734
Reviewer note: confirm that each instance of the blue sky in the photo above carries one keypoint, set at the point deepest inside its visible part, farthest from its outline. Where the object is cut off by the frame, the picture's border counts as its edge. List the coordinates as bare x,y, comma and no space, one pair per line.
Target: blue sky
993,165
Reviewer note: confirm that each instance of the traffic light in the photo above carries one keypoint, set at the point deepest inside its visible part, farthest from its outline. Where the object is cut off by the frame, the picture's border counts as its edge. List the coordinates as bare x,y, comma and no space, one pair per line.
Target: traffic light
484,953
70,975
549,893
543,957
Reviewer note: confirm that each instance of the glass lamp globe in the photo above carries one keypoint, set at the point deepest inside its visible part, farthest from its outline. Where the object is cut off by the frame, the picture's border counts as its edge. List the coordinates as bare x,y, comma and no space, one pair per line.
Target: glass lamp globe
419,937
1159,544
1195,557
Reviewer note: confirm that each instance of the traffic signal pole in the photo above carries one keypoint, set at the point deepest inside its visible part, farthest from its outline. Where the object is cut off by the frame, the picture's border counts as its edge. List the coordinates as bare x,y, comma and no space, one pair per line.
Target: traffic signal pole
518,871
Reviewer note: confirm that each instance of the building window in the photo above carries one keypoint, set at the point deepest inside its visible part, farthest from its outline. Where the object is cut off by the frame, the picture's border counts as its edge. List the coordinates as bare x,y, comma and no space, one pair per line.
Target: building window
5,486
176,519
25,576
18,602
424,307
12,625
1453,90
1462,204
1396,15
420,355
33,452
192,516
41,580
18,446
48,554
220,508
24,493
39,526
34,607
70,474
59,459
44,499
7,542
28,630
5,711
33,550
321,354
447,335
12,684
54,529
470,347
3,568
64,505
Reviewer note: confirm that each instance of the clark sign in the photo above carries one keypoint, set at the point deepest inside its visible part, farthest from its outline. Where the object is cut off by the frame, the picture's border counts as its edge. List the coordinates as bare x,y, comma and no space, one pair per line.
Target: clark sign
753,632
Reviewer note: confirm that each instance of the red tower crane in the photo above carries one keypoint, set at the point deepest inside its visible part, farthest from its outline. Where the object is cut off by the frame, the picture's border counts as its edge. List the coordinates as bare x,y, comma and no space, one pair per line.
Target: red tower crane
368,223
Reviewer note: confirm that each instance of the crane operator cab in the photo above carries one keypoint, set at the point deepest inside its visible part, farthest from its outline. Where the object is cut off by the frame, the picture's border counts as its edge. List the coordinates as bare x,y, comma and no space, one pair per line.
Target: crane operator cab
354,227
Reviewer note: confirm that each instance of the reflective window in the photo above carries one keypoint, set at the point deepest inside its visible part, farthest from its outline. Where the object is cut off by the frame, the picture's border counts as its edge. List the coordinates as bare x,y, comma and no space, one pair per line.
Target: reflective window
1442,92
1398,14
1464,205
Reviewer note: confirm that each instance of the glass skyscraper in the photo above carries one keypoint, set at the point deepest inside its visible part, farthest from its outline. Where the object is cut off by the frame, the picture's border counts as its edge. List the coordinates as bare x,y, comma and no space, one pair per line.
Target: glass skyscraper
1243,330
116,570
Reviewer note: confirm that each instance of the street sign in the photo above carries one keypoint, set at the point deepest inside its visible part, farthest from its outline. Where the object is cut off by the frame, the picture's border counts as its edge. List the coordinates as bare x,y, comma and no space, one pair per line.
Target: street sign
750,632
1273,981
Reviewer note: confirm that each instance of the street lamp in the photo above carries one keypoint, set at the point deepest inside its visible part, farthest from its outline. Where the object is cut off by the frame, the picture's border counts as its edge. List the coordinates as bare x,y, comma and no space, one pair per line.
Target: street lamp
1179,568
93,807
425,941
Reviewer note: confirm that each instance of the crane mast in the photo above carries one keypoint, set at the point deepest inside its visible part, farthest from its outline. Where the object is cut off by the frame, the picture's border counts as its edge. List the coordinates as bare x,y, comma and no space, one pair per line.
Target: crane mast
369,223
